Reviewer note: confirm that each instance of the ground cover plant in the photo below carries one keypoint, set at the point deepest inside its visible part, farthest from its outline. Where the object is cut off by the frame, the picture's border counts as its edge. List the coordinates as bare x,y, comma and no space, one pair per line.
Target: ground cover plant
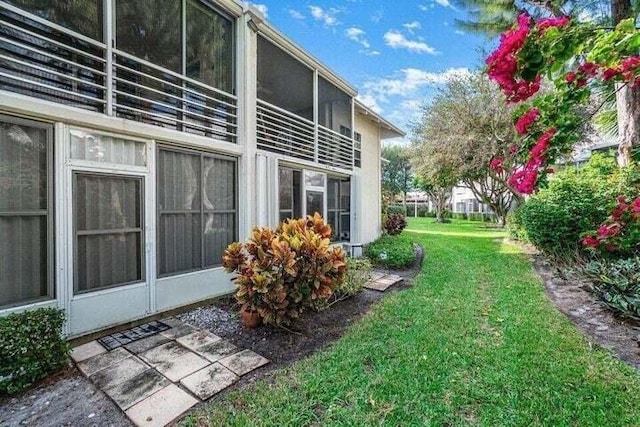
474,342
394,252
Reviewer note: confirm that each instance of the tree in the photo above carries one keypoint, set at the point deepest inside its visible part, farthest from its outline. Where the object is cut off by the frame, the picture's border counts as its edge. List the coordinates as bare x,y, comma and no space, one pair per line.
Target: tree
396,171
468,128
545,49
438,184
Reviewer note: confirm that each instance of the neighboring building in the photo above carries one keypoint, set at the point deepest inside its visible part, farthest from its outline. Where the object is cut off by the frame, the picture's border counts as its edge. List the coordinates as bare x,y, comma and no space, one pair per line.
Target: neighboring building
138,139
464,201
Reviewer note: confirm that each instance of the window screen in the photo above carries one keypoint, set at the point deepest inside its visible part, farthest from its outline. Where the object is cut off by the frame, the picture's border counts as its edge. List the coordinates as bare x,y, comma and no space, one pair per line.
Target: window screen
197,210
25,211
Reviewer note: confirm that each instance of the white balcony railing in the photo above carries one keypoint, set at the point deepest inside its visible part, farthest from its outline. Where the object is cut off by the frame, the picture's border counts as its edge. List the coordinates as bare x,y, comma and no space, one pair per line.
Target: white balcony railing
288,134
41,59
334,149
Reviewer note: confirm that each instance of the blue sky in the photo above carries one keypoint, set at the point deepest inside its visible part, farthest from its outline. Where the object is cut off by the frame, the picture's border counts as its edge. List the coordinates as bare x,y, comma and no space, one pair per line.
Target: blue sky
395,52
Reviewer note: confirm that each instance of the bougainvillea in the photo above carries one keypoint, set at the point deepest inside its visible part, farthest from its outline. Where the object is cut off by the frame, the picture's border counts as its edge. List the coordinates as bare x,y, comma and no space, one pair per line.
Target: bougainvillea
572,56
620,233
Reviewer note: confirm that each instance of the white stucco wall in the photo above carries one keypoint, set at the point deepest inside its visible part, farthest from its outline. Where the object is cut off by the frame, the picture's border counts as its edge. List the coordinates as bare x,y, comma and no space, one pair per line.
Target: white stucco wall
368,200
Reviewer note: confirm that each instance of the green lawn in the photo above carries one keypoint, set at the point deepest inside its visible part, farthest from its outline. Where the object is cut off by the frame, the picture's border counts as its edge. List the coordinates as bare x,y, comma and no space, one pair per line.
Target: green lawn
474,342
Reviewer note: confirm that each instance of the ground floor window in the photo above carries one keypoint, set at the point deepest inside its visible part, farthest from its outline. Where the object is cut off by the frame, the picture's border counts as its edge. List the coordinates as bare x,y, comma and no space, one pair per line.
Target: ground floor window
26,214
289,193
339,208
197,209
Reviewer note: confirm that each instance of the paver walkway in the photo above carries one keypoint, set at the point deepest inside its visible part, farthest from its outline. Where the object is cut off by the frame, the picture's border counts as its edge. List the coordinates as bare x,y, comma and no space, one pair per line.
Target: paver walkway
381,281
156,379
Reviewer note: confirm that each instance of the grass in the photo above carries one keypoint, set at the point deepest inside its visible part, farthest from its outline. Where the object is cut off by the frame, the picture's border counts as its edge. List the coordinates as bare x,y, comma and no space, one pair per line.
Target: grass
474,342
398,250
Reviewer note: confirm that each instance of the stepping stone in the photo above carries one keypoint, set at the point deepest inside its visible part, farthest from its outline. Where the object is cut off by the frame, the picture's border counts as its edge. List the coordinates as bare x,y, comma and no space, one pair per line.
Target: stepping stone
178,331
173,360
198,339
102,361
161,408
137,388
120,372
209,381
217,350
243,362
383,283
172,322
375,275
146,343
376,286
87,351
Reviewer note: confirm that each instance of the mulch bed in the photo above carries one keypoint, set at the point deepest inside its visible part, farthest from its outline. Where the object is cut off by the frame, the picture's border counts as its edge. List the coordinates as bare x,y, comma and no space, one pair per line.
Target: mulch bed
314,331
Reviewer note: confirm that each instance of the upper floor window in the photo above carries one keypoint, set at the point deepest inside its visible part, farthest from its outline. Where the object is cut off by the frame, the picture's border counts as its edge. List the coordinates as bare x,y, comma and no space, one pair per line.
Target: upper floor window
82,16
334,107
283,80
153,30
357,150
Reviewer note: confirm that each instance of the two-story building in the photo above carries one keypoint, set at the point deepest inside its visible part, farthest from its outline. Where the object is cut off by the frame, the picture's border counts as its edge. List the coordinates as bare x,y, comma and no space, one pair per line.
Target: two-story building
139,138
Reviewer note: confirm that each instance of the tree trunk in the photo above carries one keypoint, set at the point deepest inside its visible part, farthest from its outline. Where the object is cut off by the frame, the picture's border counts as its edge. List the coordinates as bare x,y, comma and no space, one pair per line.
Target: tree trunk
627,97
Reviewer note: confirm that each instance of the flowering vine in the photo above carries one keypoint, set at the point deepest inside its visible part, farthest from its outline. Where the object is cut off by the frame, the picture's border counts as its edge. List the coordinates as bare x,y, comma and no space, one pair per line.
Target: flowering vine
620,233
572,57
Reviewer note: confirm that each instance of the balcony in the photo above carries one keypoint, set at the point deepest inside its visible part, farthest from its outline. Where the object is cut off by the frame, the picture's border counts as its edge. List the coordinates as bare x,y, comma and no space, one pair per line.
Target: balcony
42,59
301,114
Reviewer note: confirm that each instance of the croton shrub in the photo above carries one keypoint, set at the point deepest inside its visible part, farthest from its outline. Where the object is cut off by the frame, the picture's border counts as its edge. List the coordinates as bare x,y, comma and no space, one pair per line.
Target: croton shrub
394,224
280,273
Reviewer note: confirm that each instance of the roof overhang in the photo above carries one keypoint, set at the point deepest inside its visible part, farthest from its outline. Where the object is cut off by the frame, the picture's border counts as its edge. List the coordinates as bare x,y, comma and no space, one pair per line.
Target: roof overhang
388,129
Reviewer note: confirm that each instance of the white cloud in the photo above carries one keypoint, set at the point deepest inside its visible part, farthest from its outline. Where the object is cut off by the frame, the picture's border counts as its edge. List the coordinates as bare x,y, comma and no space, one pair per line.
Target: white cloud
412,26
370,101
444,3
370,52
262,8
460,32
327,17
357,35
296,14
397,40
425,7
408,81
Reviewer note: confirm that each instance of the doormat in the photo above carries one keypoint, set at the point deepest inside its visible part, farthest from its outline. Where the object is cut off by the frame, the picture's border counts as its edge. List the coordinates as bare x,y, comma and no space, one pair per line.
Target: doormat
134,334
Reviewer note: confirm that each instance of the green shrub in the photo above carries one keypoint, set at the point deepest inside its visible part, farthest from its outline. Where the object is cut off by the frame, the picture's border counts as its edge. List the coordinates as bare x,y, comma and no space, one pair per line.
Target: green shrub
479,216
31,347
393,252
396,210
515,228
575,201
616,283
394,224
422,212
282,272
357,274
458,215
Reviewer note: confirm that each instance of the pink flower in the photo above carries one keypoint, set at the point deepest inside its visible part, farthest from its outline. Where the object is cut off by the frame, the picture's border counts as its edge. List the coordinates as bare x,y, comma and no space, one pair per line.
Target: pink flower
502,64
546,23
570,77
542,144
610,73
635,206
526,120
631,63
588,68
610,230
590,241
496,164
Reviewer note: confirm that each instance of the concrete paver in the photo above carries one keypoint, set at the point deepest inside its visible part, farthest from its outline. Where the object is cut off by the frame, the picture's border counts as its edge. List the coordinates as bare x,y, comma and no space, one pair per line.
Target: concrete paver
162,407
